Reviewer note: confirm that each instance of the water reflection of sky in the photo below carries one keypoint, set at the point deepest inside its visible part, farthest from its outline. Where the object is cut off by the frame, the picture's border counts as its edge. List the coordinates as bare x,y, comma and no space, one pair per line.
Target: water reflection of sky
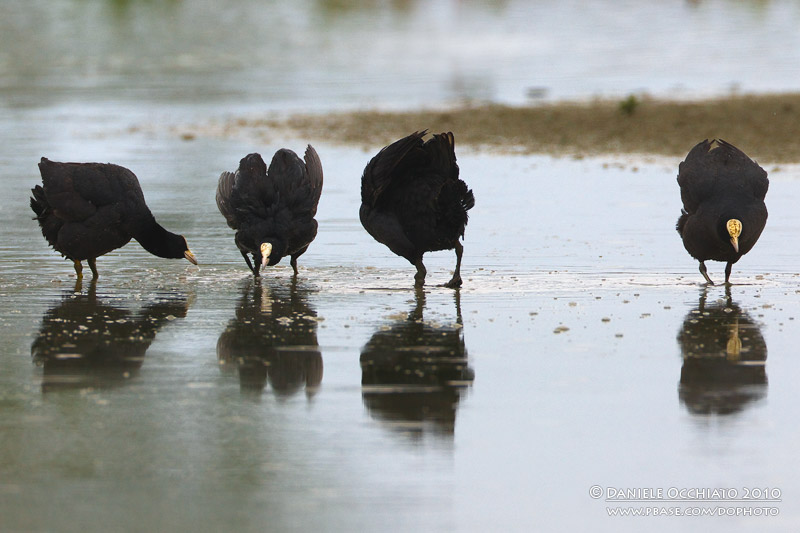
333,54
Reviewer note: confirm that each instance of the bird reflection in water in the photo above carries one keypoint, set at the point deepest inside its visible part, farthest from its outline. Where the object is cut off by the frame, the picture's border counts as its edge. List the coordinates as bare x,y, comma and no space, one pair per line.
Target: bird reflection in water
85,342
413,372
273,337
724,358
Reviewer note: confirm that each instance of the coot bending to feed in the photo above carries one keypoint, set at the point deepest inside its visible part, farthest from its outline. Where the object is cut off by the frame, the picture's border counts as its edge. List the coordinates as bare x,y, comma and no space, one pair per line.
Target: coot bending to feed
723,204
86,210
413,201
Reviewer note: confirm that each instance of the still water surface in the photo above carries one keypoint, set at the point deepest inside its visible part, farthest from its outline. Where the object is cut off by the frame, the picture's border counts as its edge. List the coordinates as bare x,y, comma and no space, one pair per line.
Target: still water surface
581,351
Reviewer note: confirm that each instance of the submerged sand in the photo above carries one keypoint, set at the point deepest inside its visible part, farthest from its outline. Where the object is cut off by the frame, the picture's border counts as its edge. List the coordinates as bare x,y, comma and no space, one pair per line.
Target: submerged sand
766,127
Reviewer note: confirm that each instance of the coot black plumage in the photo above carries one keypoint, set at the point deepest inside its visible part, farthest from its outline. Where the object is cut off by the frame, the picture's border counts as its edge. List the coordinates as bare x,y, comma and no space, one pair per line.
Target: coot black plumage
272,210
86,210
723,211
413,201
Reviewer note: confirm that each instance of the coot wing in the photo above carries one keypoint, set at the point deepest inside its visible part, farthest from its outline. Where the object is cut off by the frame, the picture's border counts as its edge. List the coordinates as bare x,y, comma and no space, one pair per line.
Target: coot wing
696,177
441,150
739,171
313,178
293,184
250,192
224,191
385,167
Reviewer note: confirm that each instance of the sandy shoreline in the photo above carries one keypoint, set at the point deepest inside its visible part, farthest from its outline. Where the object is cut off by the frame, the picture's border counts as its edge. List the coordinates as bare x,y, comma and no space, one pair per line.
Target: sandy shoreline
766,127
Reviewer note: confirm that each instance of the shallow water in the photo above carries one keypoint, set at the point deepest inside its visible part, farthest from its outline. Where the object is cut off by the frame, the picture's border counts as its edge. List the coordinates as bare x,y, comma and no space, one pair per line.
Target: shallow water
346,400
582,350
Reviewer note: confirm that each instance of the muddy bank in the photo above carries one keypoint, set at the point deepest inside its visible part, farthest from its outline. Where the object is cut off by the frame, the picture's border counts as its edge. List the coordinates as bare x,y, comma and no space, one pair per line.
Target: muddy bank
764,126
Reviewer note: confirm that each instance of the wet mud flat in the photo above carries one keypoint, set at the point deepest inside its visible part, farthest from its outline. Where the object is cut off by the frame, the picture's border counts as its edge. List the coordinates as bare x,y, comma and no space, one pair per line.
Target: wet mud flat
763,125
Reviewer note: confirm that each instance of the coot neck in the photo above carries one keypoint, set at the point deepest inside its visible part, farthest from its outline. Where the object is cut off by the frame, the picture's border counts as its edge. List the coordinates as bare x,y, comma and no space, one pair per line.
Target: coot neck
155,239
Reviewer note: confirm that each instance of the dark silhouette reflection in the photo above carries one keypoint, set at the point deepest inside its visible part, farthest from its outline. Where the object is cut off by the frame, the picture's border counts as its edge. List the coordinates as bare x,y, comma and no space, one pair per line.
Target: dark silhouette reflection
85,342
413,372
274,336
724,358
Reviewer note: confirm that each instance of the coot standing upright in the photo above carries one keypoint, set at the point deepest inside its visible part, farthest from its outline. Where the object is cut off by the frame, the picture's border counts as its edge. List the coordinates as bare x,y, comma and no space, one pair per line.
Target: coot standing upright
723,211
86,210
272,210
413,201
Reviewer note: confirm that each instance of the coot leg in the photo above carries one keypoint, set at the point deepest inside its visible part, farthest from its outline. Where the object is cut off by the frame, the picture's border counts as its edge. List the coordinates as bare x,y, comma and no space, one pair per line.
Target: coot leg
419,277
294,259
728,272
249,264
455,282
704,273
78,268
93,266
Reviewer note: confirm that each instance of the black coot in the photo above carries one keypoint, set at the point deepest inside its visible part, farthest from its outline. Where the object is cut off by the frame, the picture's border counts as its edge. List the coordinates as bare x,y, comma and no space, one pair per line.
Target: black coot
86,210
723,203
413,201
272,210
